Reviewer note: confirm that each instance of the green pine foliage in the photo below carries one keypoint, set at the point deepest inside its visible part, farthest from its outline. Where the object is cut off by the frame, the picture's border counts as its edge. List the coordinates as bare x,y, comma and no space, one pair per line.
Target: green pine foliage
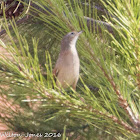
106,104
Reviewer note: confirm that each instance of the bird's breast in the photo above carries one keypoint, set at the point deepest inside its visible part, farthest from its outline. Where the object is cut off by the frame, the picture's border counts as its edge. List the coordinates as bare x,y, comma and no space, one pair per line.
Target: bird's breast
71,59
70,66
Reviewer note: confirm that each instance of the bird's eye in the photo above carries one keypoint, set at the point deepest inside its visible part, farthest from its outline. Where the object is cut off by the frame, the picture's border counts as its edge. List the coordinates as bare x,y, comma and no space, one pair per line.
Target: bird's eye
72,33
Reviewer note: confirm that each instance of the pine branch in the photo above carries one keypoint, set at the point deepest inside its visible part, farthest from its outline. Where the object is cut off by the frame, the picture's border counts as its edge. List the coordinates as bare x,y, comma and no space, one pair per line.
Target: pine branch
97,24
116,120
92,24
122,102
90,109
85,106
138,64
19,22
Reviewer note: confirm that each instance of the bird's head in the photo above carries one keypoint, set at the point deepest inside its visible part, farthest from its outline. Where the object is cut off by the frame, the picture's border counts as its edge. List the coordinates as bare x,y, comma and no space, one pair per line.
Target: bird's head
70,39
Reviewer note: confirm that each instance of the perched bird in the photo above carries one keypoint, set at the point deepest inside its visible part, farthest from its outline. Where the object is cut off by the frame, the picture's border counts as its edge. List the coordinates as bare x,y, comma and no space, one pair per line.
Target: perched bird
67,65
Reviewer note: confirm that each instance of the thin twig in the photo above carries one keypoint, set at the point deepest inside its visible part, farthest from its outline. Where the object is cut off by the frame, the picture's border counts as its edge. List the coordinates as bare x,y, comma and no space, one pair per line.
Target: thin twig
116,120
91,23
20,21
123,103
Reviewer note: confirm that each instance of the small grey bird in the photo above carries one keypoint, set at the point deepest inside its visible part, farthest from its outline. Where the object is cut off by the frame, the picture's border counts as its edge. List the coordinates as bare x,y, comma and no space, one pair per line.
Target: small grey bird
67,66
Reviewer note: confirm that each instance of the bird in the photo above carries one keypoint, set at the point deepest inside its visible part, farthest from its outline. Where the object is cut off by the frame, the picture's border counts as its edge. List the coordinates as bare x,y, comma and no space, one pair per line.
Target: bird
67,66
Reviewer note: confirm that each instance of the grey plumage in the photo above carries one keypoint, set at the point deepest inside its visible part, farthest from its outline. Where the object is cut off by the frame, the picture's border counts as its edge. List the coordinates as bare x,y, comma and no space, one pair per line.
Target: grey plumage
67,65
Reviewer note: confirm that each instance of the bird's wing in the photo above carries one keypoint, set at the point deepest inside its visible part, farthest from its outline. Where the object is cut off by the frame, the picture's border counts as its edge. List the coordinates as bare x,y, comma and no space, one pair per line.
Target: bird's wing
57,67
55,71
59,64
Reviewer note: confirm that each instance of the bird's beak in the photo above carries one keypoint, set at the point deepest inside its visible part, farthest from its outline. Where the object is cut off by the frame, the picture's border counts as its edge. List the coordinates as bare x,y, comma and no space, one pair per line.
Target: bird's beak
80,32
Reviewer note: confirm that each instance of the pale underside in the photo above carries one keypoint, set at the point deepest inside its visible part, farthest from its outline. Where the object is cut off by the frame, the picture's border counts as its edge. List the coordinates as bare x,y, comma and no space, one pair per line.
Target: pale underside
67,69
